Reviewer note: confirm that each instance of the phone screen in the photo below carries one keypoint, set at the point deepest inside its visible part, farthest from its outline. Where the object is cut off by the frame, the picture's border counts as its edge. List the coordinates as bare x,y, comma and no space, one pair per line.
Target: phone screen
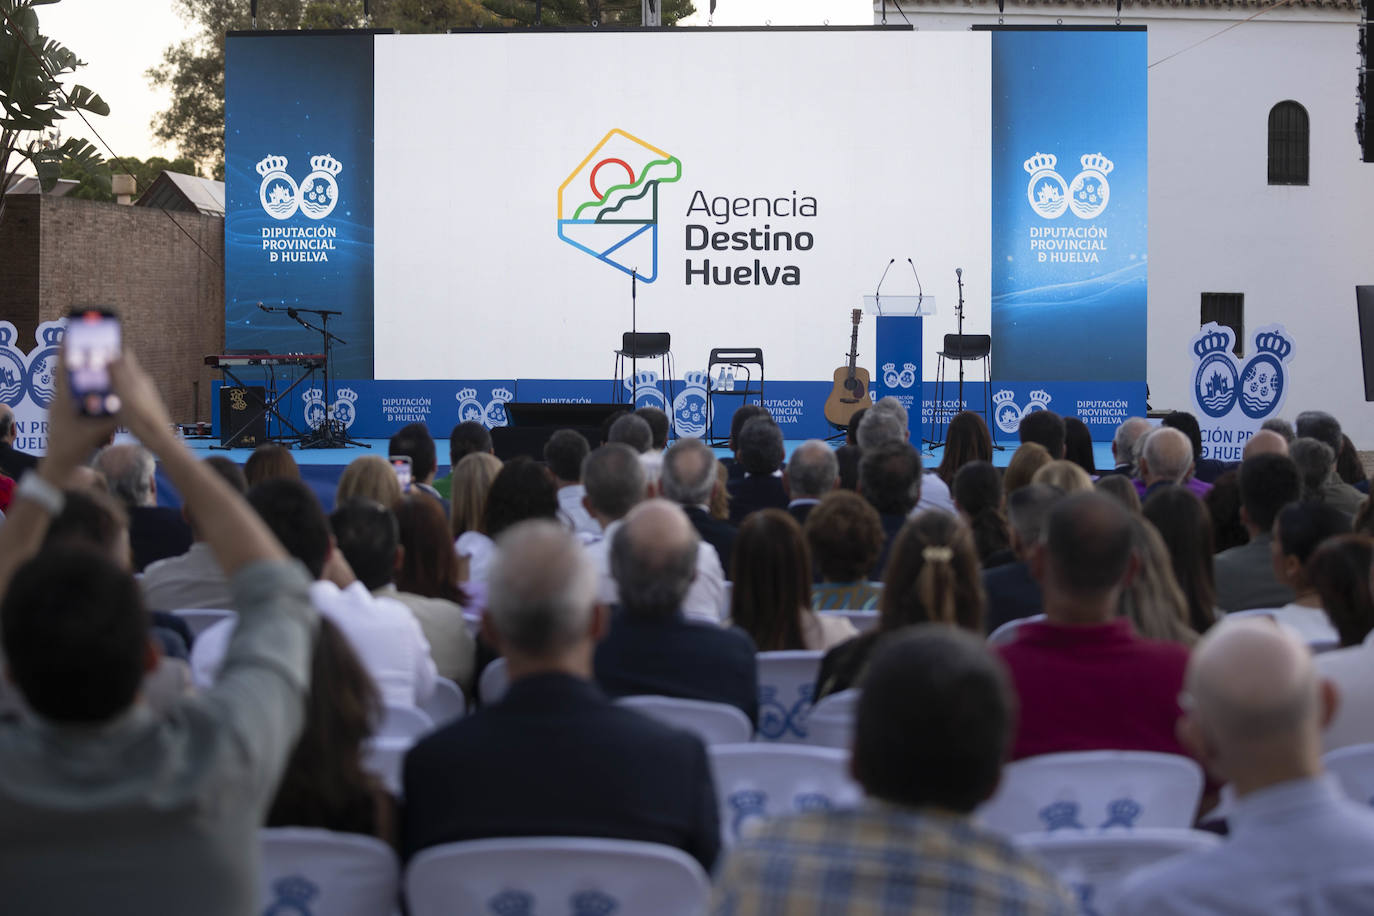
401,465
92,342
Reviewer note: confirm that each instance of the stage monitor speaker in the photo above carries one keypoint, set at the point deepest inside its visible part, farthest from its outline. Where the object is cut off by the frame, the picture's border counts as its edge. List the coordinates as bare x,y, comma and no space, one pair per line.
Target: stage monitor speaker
242,408
1364,306
533,423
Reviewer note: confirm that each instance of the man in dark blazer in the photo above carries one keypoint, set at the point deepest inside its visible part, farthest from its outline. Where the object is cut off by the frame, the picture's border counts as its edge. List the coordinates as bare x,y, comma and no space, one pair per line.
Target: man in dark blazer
1012,593
155,532
688,478
555,757
1245,575
652,647
890,479
812,473
761,453
13,463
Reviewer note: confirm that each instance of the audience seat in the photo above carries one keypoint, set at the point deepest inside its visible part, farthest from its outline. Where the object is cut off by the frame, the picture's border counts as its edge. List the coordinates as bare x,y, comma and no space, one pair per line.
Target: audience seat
385,756
1353,768
713,723
758,781
787,681
863,620
492,684
405,722
557,875
446,704
831,721
322,873
1095,791
1094,866
200,619
1006,633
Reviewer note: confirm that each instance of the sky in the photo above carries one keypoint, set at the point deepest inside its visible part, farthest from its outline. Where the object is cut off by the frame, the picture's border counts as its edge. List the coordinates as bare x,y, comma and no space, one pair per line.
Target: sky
119,40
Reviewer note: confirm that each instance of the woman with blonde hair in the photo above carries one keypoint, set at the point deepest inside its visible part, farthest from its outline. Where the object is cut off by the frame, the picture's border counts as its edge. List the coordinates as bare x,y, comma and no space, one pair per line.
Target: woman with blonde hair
368,477
471,483
933,576
1065,475
1153,601
1025,461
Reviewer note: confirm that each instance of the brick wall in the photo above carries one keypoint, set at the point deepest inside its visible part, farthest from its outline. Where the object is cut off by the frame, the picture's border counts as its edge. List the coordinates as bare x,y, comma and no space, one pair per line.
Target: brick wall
136,260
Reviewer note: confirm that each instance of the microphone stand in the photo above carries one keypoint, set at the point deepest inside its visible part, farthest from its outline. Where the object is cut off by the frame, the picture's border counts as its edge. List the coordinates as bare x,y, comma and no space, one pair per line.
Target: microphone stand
959,311
330,433
634,333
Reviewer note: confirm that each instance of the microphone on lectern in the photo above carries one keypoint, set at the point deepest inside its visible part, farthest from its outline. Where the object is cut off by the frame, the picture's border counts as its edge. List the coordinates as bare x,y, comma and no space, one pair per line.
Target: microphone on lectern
920,293
959,272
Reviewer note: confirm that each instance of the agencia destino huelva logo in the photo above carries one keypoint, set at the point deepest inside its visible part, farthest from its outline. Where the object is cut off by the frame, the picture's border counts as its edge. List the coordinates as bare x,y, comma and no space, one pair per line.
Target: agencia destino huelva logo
1086,196
313,198
608,205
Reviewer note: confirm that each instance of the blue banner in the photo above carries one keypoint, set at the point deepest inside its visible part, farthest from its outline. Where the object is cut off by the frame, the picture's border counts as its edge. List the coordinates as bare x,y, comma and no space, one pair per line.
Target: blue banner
298,192
1069,167
899,360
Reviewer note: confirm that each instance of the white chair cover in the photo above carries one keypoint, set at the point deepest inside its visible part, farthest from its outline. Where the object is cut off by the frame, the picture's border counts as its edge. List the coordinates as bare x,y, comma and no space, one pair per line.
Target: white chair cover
758,781
386,757
565,876
200,618
1095,865
405,722
1353,768
713,723
446,704
491,686
786,682
1095,791
831,721
863,620
1006,633
322,873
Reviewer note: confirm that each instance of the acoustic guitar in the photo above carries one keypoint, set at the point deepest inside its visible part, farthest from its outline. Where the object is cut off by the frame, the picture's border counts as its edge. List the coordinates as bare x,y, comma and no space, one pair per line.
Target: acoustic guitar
850,393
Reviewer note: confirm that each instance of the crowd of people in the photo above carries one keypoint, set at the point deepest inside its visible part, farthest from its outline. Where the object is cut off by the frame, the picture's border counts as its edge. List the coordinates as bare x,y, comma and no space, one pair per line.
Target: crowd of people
1167,604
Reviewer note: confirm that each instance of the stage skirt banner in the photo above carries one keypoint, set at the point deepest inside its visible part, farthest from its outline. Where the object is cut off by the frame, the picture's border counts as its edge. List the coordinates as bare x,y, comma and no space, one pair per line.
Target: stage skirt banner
1069,165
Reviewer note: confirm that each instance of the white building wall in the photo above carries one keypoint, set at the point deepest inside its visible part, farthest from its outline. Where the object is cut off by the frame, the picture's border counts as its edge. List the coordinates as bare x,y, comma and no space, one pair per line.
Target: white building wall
1216,225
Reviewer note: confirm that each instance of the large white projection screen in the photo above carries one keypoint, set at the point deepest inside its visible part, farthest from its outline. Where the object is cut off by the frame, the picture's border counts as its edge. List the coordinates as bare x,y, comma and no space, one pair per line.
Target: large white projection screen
858,146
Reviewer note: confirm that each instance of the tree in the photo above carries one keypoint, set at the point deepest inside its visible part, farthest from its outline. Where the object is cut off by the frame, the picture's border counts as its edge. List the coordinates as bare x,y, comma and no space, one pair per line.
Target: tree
32,100
95,181
193,70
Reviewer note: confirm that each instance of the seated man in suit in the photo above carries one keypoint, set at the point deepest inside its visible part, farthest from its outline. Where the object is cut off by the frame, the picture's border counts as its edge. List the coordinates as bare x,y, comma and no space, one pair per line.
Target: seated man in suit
689,479
812,473
554,757
652,647
1245,574
761,453
890,479
155,532
1013,593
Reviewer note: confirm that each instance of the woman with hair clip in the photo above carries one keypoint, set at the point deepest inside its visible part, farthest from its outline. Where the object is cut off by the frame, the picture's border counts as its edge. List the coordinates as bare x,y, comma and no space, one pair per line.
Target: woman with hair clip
978,497
932,577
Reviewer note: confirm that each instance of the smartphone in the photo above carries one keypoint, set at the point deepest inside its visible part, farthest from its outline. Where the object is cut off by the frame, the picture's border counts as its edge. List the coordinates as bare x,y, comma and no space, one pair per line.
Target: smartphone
91,343
401,465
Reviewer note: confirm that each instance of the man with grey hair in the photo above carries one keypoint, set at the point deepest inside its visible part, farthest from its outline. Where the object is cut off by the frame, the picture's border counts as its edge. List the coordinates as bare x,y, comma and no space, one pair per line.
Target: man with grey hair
689,479
1320,425
13,463
155,532
812,473
1254,710
1315,462
615,484
1012,592
1166,459
1279,426
1123,444
887,421
1266,442
653,648
760,453
555,757
890,479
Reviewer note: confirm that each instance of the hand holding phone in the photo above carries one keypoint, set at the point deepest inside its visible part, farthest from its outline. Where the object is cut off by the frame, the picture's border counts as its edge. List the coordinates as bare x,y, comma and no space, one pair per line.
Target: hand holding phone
91,343
401,465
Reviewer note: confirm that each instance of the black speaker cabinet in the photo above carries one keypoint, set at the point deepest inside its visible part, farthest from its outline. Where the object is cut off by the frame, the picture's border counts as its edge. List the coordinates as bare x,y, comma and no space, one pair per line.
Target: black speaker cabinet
242,416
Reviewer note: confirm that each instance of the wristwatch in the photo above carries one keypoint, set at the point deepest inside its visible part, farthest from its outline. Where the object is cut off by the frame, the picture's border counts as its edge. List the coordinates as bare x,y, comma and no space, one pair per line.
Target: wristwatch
34,488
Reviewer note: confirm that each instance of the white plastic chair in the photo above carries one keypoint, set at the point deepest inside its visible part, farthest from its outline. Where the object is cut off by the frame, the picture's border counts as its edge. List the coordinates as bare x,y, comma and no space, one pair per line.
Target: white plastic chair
1353,768
787,681
758,781
555,875
198,619
491,686
831,721
405,722
385,756
1095,865
1006,633
305,870
863,620
713,723
1095,791
447,703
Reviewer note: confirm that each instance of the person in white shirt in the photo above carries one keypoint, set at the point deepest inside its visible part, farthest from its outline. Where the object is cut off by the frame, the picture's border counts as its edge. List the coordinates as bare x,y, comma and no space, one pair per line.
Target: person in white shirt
1298,531
614,478
194,579
383,632
1254,711
564,453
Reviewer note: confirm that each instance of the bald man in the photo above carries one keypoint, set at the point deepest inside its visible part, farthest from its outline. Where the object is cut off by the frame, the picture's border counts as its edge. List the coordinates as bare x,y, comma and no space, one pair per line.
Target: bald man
13,463
1265,442
653,647
1255,713
1166,457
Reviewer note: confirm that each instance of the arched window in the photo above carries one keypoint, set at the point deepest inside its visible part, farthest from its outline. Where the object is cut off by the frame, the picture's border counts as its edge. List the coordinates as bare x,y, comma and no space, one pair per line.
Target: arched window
1288,143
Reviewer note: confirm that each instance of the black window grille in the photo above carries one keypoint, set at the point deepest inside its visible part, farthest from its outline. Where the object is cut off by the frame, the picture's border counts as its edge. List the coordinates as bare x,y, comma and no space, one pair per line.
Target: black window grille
1228,310
1288,143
